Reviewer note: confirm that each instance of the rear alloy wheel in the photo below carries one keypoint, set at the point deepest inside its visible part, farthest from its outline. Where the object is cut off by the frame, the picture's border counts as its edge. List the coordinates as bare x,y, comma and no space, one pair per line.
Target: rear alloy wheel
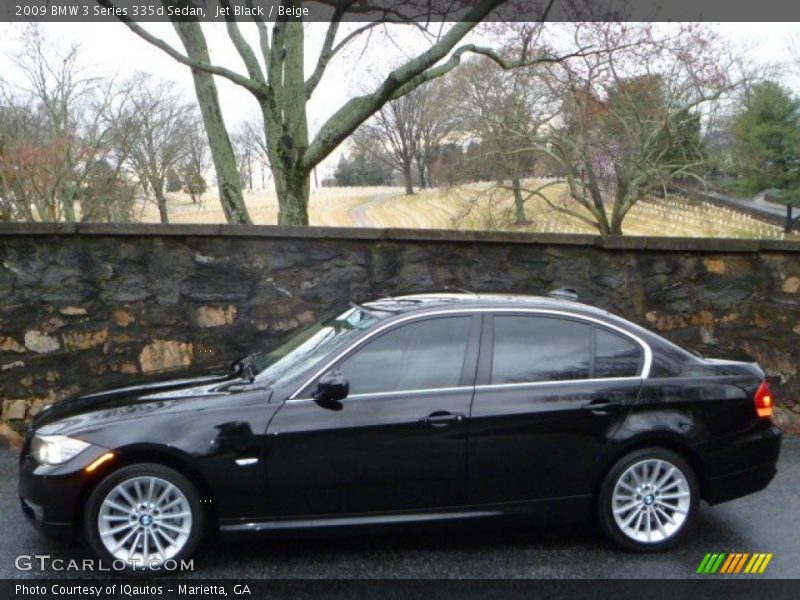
144,517
648,500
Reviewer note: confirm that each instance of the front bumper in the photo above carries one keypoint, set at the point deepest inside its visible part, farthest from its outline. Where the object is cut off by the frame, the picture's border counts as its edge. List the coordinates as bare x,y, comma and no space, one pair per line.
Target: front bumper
51,495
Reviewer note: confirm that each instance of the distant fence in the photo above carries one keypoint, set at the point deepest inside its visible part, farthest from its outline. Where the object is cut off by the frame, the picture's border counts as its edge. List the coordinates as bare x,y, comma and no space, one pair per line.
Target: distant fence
87,306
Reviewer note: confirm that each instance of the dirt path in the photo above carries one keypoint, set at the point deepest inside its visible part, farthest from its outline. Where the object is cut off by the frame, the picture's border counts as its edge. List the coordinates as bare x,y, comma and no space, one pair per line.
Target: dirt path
358,214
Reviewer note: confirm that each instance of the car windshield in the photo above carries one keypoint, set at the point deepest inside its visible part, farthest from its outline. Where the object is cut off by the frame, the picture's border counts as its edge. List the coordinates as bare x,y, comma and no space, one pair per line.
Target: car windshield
314,342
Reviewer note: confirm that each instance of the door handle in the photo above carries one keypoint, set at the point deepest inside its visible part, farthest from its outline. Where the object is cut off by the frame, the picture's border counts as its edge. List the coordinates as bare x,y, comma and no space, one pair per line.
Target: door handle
441,419
601,406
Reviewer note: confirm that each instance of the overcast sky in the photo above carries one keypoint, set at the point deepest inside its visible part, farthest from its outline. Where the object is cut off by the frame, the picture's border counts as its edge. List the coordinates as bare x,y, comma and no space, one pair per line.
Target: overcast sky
110,48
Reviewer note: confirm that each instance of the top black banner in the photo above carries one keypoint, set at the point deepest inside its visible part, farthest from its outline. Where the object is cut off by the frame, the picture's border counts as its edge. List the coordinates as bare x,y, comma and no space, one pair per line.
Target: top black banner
399,10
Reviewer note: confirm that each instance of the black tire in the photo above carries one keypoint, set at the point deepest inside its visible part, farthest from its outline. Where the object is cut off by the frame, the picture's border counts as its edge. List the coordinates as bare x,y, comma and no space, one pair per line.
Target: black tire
605,500
98,495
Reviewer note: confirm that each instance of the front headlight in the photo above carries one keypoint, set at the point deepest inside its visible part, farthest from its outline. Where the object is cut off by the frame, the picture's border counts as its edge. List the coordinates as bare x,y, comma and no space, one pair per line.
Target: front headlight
55,449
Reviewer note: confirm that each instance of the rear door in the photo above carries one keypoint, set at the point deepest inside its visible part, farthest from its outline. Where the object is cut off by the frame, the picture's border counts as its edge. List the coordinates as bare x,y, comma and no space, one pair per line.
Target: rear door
397,442
550,393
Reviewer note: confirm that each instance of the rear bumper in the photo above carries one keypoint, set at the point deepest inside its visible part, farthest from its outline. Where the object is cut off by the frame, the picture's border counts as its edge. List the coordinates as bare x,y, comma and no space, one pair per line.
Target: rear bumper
736,485
742,464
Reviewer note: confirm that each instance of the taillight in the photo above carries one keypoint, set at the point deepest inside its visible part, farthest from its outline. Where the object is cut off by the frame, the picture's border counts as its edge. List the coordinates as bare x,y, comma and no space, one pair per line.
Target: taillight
764,401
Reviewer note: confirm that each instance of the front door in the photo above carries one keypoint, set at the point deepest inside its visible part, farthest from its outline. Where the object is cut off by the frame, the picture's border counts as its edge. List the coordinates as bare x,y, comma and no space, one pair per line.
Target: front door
397,442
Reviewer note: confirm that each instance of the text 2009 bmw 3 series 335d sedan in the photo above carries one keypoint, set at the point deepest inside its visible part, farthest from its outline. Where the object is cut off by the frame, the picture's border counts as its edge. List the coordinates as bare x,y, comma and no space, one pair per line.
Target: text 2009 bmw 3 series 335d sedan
415,408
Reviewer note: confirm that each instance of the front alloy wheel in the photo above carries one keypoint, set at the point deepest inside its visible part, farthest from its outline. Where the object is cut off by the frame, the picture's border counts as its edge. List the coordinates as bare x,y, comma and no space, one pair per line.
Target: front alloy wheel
142,516
648,500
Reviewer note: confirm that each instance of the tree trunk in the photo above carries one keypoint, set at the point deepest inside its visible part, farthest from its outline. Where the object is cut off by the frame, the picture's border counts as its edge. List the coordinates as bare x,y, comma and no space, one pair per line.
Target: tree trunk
519,203
429,179
604,226
421,169
293,191
68,206
230,187
408,178
787,227
286,125
161,200
615,227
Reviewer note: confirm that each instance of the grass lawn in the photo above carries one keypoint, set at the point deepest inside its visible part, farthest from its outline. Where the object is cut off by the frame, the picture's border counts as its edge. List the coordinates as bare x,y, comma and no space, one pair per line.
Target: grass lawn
458,208
327,206
464,207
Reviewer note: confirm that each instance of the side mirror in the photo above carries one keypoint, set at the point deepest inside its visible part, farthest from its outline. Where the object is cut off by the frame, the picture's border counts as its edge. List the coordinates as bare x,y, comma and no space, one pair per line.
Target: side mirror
332,387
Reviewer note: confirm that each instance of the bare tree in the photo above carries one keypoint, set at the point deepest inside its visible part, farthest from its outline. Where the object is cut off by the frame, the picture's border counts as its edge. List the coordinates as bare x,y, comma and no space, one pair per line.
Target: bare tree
501,112
164,124
278,82
406,133
631,120
248,143
60,135
253,132
437,123
195,163
397,128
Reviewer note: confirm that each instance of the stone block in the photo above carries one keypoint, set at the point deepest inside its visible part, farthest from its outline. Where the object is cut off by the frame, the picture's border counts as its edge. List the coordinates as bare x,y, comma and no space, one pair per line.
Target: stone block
39,342
161,355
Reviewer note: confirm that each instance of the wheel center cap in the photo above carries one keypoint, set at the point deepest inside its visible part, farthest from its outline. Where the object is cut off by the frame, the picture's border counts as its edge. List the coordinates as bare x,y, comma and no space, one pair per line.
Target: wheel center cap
145,520
649,499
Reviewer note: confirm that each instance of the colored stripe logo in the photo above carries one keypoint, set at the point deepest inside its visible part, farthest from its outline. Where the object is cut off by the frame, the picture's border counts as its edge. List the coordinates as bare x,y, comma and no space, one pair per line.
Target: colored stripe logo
734,563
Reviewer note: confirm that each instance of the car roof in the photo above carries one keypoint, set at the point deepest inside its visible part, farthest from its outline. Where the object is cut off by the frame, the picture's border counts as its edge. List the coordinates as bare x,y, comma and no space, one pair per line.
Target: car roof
397,306
421,303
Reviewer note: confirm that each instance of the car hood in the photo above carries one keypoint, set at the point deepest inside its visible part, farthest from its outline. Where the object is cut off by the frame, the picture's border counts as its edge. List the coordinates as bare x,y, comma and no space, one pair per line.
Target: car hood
133,401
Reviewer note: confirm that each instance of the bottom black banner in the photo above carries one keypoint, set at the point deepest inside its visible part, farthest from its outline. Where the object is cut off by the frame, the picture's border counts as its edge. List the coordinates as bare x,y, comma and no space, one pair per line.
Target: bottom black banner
341,589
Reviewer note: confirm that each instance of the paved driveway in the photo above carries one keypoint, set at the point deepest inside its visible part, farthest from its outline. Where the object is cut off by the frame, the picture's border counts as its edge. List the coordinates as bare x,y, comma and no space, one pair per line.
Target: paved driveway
359,213
755,206
765,522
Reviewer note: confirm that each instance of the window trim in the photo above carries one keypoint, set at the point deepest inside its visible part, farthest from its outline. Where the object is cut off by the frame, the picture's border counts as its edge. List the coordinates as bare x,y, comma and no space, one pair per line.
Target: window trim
644,371
527,384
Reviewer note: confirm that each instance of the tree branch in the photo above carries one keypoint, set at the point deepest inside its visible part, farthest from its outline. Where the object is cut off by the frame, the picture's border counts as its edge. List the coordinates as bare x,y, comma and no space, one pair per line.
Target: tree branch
359,109
325,54
241,45
503,62
253,86
263,34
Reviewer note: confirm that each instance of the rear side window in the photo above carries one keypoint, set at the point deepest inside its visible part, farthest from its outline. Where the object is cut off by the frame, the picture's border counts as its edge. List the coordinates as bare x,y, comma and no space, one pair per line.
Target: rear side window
615,355
531,349
426,354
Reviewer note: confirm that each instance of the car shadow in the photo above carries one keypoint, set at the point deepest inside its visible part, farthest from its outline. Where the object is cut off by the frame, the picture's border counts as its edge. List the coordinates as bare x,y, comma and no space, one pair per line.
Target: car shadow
483,549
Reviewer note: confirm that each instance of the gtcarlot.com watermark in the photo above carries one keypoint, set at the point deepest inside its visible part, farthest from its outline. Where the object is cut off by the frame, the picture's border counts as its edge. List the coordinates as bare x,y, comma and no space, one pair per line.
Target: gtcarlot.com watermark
45,562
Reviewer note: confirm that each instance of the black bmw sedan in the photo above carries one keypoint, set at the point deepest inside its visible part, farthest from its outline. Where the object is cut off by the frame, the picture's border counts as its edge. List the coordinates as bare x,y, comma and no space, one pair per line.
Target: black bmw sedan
410,409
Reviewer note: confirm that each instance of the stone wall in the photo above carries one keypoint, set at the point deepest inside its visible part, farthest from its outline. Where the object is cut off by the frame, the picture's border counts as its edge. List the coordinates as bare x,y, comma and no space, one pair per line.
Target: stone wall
88,306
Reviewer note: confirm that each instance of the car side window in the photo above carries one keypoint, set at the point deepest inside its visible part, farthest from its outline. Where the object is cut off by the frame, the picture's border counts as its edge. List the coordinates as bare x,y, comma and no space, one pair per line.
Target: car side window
531,349
426,354
615,355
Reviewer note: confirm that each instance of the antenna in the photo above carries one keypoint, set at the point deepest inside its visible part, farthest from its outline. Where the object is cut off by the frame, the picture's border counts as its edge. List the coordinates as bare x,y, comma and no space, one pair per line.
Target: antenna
564,293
